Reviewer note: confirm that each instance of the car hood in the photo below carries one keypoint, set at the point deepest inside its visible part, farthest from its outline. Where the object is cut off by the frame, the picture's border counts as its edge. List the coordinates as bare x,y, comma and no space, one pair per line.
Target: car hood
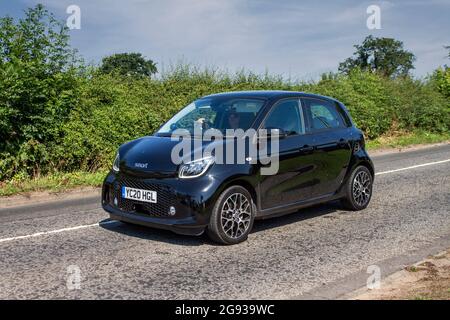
150,156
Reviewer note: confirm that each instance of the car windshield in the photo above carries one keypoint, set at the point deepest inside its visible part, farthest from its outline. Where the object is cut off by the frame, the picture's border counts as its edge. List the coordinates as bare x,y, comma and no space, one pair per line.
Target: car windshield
214,113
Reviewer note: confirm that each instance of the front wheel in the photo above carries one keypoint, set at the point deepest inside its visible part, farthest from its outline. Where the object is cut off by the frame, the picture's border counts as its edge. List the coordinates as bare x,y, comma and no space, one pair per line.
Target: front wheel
232,217
358,189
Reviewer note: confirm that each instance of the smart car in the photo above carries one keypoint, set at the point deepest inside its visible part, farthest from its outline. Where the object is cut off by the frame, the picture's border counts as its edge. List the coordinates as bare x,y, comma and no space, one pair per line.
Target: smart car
321,157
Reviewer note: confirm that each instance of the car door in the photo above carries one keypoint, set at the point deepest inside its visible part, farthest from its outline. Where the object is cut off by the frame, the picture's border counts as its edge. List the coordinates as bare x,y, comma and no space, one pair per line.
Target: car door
332,150
295,177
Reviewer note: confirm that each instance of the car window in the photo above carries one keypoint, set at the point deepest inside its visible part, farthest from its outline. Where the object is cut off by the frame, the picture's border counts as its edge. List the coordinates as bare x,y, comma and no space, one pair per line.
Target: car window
219,113
286,115
323,115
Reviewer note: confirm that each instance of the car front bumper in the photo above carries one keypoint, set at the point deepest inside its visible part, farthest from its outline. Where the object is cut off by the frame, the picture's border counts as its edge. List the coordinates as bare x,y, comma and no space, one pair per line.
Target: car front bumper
187,226
192,200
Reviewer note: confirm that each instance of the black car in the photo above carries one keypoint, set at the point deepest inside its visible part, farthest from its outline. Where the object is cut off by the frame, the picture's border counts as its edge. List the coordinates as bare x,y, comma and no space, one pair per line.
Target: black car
321,157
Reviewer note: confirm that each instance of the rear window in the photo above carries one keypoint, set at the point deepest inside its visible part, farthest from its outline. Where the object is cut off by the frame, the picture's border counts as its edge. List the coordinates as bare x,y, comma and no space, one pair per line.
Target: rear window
323,115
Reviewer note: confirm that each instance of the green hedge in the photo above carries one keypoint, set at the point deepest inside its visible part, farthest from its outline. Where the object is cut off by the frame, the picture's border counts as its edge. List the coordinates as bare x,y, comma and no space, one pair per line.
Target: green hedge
78,120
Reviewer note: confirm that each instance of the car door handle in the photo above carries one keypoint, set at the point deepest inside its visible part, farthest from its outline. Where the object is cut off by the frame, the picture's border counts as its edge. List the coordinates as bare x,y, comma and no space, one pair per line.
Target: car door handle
306,148
342,143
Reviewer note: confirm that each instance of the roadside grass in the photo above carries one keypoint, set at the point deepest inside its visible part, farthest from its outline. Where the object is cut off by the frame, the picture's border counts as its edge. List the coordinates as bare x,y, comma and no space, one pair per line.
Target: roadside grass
57,182
406,139
411,269
60,182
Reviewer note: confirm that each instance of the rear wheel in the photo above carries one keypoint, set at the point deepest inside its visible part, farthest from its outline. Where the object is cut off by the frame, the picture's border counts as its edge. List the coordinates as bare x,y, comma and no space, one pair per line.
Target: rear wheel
232,217
358,189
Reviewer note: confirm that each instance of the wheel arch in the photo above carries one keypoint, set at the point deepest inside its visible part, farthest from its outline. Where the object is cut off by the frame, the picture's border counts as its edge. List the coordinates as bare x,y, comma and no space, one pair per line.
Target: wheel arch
356,162
244,182
368,164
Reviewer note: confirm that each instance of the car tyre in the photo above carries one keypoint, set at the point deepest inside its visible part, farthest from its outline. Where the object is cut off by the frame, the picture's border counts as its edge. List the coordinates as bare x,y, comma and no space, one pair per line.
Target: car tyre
358,189
232,216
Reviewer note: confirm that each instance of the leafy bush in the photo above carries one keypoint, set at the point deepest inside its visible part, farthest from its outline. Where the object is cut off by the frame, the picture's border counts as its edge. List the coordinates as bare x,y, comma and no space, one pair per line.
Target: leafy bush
419,106
38,86
441,80
103,111
114,109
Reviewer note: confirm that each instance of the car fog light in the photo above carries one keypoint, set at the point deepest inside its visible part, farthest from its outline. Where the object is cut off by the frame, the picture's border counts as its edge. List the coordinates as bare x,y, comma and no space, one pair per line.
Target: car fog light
172,211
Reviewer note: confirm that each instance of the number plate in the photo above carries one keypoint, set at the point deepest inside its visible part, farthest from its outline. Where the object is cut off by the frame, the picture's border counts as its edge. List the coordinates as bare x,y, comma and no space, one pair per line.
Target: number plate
139,194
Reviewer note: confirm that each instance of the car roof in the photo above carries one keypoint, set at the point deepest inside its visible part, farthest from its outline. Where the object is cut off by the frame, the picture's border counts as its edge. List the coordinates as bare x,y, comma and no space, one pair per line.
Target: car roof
267,94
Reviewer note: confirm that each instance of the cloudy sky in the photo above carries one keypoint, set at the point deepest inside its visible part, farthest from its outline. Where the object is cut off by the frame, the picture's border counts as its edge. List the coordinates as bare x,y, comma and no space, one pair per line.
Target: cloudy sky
298,39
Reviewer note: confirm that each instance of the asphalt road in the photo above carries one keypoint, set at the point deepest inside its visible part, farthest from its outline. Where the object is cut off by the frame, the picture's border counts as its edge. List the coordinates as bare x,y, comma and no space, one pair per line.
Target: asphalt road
321,252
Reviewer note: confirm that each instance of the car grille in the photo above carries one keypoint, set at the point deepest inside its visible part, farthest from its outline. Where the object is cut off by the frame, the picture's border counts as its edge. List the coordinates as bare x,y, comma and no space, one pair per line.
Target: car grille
165,197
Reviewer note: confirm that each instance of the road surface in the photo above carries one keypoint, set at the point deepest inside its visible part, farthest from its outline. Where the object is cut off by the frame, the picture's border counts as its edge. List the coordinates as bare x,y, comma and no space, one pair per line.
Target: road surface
321,252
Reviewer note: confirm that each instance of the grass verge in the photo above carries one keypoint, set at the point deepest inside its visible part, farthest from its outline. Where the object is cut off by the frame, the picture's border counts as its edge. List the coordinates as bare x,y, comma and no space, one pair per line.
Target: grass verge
407,139
59,182
54,183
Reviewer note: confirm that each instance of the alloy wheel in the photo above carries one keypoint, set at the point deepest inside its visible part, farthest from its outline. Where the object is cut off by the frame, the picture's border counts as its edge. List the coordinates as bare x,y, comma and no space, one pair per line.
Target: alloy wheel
236,215
362,188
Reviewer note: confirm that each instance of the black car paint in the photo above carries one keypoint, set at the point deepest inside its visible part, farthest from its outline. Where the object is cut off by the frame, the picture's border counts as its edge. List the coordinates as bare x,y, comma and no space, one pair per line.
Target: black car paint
313,168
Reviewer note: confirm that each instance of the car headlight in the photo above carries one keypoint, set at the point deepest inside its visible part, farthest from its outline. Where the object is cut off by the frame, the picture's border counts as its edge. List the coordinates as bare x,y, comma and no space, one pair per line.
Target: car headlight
195,168
116,163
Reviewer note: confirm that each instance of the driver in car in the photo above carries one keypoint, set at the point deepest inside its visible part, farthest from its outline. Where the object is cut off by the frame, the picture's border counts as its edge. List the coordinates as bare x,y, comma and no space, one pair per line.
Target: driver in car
233,120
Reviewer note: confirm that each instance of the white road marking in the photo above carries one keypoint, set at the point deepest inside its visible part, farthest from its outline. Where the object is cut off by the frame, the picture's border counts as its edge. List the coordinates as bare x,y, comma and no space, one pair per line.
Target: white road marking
412,167
38,234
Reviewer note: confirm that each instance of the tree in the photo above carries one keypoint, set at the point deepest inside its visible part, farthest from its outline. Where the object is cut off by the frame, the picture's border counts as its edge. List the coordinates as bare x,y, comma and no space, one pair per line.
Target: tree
37,88
385,56
128,64
38,38
448,48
